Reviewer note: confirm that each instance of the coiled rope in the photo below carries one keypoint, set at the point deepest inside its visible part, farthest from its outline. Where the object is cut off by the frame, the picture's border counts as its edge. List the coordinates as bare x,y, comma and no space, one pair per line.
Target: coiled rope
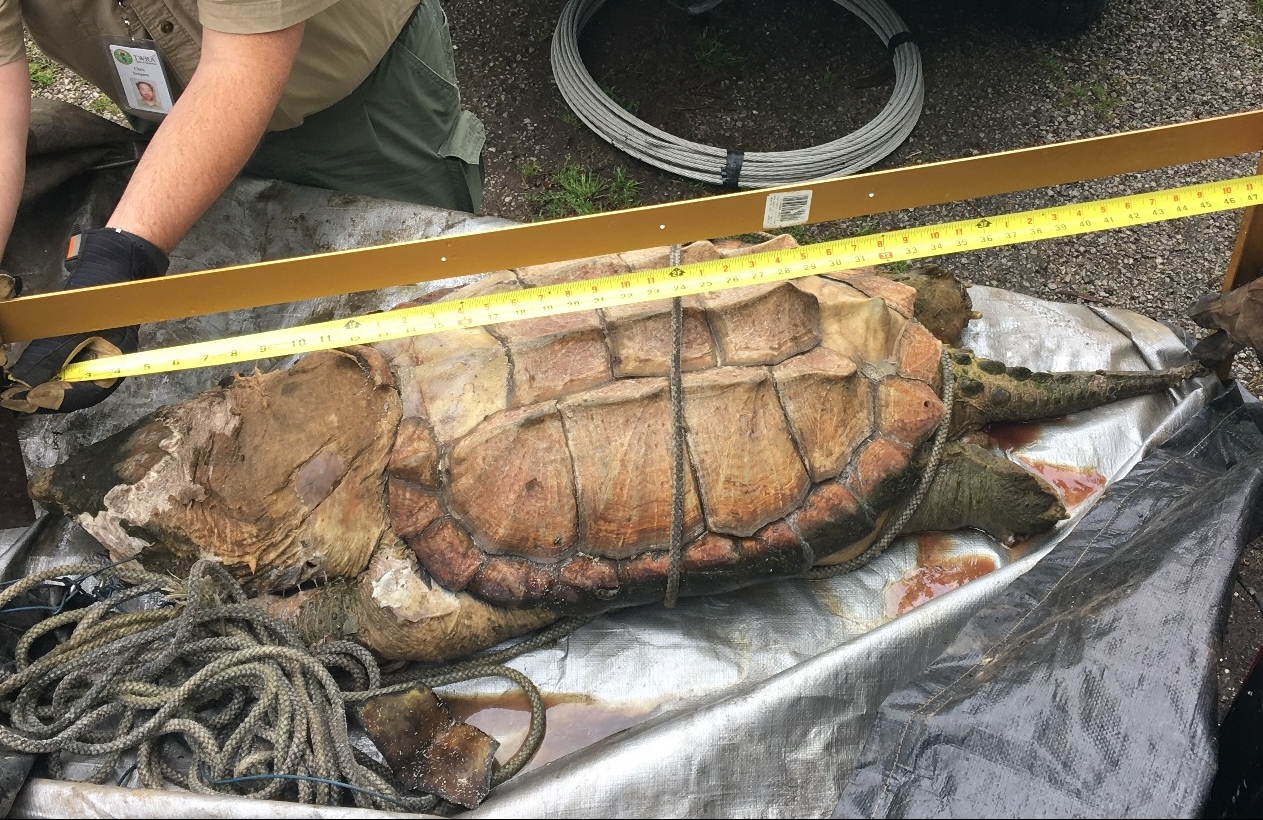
755,169
262,714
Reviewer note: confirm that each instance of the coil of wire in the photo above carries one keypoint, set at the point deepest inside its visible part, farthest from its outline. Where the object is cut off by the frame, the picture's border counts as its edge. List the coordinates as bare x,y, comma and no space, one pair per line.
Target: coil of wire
755,169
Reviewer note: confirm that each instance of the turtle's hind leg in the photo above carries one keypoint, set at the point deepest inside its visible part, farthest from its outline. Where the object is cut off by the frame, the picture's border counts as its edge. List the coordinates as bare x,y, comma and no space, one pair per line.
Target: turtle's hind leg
977,488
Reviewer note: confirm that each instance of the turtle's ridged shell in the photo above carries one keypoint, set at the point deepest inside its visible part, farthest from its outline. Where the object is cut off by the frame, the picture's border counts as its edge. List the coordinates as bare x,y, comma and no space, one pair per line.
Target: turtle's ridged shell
534,465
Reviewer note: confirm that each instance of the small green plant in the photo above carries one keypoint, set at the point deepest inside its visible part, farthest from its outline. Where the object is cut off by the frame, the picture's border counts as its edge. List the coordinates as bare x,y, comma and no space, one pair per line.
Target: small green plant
575,190
103,105
861,225
42,75
1052,66
712,54
1077,94
631,106
895,267
622,190
1104,103
529,169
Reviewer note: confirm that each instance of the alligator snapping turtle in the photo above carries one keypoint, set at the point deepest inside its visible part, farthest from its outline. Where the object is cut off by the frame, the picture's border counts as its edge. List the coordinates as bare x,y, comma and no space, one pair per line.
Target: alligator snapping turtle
447,491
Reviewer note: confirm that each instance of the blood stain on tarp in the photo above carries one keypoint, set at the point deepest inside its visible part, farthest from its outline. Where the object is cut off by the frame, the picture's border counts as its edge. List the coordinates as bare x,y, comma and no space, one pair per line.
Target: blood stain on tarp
1012,436
573,720
937,571
1074,484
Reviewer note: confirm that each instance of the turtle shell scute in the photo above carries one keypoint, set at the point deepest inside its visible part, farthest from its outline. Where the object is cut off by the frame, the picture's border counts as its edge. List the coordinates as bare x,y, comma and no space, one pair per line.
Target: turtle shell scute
535,463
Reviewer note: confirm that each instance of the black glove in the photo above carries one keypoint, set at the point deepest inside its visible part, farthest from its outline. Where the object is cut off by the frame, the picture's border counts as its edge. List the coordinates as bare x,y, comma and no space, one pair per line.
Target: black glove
106,256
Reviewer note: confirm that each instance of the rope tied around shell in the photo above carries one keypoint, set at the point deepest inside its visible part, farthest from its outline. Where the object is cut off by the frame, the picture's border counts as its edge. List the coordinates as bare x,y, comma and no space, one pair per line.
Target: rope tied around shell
678,432
677,446
895,526
214,682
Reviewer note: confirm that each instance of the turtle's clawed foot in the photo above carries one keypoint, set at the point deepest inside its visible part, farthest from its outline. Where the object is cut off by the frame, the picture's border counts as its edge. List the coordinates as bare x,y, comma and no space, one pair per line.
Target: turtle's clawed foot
978,488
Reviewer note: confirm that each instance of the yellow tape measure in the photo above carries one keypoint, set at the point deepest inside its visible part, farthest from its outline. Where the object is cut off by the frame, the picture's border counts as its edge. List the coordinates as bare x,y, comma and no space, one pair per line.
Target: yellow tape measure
699,277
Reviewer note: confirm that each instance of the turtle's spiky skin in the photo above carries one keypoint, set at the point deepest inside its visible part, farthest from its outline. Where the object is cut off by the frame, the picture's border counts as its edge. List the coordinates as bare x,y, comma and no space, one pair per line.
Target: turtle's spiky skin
473,484
989,391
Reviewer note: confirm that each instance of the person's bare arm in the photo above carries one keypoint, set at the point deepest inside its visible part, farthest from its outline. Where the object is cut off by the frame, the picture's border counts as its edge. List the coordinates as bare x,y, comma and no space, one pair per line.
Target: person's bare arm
15,117
209,134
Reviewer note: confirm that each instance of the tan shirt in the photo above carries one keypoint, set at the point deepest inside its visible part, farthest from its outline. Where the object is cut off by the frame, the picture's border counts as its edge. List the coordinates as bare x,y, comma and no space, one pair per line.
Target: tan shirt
342,42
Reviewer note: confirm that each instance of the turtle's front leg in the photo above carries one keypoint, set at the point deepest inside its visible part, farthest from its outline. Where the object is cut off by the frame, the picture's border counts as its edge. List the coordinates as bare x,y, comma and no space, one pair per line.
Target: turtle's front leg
978,488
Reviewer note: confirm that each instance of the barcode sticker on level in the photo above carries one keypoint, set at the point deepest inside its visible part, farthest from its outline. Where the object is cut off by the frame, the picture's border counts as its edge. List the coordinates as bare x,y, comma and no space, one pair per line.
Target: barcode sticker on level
783,210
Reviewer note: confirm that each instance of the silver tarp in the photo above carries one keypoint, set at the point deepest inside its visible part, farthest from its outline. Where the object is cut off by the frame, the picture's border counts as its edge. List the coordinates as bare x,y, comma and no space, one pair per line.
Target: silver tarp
755,703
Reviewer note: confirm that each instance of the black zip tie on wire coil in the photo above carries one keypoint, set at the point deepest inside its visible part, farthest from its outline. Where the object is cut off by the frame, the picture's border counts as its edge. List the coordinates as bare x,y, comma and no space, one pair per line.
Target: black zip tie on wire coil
848,154
730,176
899,39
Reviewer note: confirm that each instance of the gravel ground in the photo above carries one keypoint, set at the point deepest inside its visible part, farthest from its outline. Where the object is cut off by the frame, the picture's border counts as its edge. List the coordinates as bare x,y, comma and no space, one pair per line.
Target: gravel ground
991,84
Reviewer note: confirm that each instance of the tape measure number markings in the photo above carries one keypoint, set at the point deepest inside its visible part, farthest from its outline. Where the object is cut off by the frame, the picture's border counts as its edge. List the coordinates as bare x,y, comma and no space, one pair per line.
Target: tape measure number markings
685,280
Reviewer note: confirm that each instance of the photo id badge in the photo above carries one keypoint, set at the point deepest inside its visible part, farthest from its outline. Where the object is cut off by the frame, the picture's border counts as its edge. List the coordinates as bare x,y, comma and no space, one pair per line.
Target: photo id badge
142,87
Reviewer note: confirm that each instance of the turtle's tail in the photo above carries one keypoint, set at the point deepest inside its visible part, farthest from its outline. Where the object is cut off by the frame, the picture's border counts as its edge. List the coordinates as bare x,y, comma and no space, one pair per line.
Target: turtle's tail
988,391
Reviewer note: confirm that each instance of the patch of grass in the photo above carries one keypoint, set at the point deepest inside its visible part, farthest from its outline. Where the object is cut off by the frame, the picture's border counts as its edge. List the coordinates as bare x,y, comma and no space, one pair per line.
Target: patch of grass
861,225
575,190
1083,91
1104,103
1076,94
895,267
799,232
529,169
1052,66
712,54
42,75
103,105
828,231
696,189
622,190
631,106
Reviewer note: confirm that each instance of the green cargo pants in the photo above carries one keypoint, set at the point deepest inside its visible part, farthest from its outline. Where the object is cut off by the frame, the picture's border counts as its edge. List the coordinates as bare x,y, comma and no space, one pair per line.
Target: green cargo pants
400,135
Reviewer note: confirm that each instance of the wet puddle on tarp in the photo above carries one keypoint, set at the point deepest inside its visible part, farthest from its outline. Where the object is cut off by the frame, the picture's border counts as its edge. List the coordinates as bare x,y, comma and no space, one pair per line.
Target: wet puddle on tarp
574,721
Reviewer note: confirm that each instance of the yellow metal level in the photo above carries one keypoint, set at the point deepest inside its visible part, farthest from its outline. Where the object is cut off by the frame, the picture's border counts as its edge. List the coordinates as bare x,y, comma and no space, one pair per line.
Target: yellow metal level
179,296
700,277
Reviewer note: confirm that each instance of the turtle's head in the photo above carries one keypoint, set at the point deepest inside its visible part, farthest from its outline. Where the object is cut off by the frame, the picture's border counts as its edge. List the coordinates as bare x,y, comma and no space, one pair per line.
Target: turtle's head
942,303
